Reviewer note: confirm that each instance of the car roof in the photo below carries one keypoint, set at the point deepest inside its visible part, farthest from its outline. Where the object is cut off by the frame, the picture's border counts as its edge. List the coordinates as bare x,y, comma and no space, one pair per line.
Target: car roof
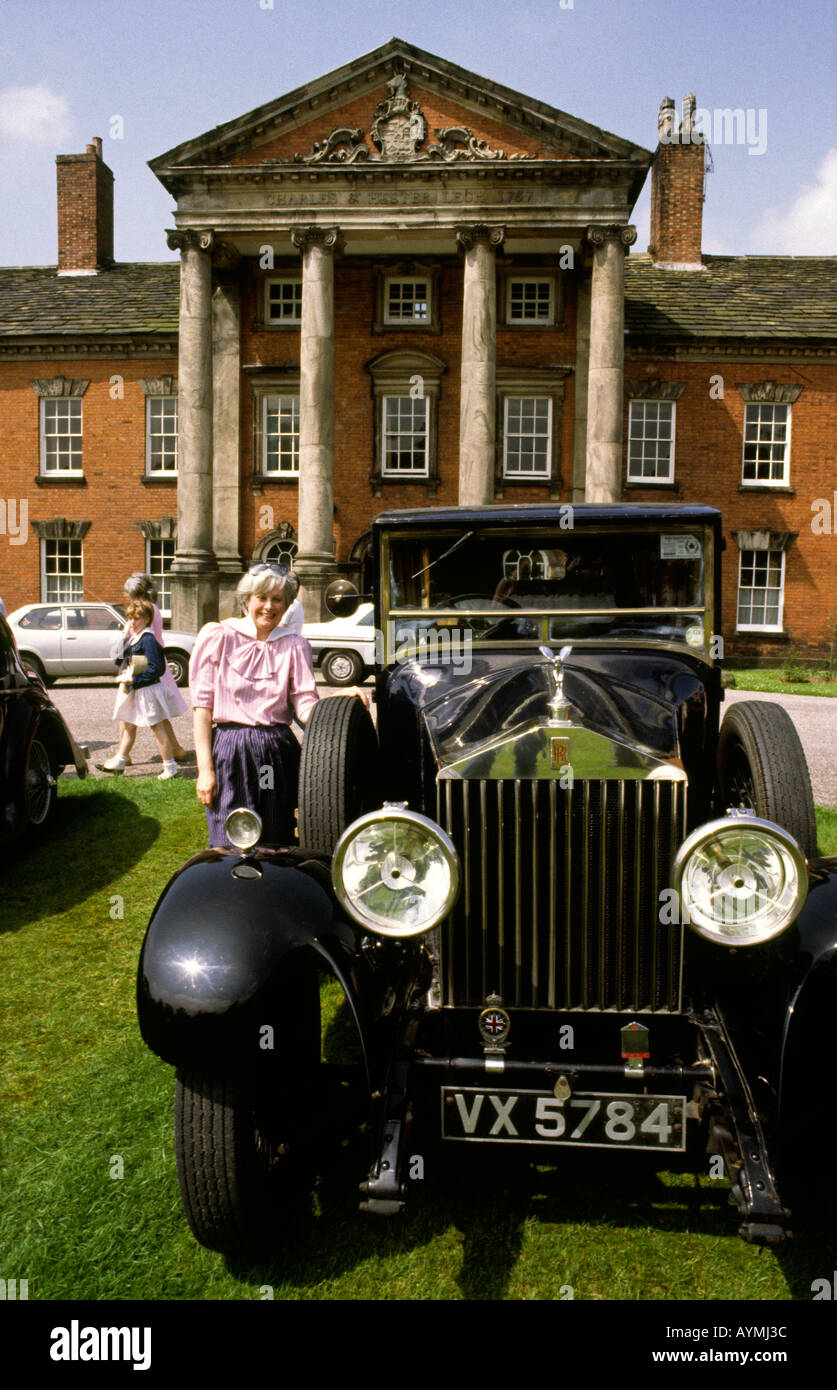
531,514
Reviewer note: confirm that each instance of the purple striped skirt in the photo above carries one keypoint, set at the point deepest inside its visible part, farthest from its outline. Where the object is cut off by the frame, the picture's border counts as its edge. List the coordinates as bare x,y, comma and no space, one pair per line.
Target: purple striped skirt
256,766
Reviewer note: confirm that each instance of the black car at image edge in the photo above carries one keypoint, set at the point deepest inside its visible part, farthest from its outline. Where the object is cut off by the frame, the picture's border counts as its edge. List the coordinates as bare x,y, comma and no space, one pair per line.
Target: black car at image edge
35,746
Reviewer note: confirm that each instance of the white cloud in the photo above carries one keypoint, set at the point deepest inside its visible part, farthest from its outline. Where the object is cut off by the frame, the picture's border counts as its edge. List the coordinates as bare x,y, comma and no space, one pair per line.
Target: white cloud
809,226
34,113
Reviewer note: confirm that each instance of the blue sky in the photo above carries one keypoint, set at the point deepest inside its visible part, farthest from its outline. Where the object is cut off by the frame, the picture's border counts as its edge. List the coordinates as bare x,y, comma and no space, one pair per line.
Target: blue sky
172,69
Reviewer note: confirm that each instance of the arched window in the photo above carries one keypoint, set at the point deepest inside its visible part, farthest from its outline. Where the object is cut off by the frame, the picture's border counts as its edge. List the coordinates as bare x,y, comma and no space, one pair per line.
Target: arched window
281,552
524,564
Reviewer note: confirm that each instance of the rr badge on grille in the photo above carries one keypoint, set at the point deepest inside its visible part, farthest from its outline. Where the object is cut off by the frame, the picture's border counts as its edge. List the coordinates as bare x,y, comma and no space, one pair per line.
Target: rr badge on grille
494,1024
560,752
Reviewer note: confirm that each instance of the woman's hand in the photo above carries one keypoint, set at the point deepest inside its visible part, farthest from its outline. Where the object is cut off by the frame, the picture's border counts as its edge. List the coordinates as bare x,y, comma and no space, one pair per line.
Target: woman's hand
365,696
206,787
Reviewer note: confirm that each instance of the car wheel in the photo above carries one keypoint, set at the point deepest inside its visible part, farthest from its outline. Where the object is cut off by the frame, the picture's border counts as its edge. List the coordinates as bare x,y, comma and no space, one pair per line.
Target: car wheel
341,668
761,765
243,1143
223,1162
34,665
178,664
40,785
339,776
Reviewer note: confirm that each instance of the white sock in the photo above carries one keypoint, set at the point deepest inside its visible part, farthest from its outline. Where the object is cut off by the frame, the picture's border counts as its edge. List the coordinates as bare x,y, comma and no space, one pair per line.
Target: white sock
117,761
169,765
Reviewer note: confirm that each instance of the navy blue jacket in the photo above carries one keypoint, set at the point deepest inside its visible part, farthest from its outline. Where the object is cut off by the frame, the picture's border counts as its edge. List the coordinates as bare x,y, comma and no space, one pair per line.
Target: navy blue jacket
150,648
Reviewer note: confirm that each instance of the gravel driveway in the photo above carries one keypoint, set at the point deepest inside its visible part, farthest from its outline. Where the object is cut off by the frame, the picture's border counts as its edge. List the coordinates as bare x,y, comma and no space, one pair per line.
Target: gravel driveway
87,707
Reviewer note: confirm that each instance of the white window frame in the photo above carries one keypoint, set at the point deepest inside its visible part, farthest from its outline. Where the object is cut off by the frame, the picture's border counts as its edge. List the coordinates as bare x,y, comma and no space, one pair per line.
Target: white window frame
759,406
655,479
292,320
281,552
150,470
161,576
67,592
397,321
541,475
74,409
405,473
763,626
266,403
536,320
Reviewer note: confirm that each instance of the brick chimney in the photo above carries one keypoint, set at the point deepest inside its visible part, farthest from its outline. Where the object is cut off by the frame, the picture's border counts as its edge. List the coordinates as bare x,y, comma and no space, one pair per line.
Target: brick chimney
677,188
85,211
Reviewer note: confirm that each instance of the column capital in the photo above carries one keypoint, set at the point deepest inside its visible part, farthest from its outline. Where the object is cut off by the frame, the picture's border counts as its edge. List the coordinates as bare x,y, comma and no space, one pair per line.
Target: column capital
479,234
188,239
305,237
597,235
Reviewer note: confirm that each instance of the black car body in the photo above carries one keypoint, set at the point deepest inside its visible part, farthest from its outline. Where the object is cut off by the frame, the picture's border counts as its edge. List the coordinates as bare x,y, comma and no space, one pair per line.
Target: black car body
35,745
502,881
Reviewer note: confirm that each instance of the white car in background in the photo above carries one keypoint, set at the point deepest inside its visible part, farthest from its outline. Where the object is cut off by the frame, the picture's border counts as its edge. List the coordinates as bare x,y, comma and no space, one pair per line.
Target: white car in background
80,639
344,648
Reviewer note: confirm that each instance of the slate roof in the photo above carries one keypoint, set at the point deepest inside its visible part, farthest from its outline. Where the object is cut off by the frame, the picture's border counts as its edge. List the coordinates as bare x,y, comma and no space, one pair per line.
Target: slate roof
736,296
131,298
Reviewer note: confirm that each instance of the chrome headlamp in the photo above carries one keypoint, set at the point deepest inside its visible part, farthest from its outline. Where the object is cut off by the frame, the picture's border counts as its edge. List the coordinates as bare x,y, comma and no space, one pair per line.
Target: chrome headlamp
243,829
395,872
741,880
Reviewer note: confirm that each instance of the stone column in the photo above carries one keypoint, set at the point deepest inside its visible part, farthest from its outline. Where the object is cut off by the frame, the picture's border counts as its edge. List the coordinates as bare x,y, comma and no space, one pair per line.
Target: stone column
478,403
194,571
607,355
580,384
226,394
315,563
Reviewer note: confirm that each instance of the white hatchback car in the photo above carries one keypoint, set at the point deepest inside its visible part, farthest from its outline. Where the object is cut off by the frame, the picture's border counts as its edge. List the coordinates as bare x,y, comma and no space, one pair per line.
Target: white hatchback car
80,639
344,649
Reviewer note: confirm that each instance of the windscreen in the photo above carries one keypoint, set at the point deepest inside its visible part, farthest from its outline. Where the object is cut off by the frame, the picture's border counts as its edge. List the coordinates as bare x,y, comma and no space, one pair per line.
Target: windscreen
564,585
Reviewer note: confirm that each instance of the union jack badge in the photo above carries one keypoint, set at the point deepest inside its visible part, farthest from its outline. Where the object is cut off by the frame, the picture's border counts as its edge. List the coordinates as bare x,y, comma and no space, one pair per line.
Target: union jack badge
494,1025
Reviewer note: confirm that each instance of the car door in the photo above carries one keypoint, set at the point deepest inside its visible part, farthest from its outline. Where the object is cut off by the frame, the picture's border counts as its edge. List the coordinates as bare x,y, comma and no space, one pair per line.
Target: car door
90,631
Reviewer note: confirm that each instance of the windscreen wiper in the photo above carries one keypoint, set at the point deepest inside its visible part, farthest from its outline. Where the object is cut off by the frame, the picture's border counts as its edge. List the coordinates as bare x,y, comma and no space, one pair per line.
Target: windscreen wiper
444,555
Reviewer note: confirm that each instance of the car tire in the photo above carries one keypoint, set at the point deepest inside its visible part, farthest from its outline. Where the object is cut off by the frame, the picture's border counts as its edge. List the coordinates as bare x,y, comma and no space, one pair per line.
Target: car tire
761,765
32,663
178,664
244,1144
341,667
223,1170
339,771
39,786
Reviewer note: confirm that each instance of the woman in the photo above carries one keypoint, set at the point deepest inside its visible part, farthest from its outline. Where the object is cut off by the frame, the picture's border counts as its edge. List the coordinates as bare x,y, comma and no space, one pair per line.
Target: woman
249,677
142,586
142,699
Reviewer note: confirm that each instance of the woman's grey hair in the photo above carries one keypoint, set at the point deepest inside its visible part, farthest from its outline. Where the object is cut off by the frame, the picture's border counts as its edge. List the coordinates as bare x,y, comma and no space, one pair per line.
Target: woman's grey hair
139,585
267,581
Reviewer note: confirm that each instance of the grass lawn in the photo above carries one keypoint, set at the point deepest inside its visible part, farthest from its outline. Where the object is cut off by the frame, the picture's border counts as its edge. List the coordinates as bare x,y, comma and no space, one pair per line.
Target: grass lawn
773,683
83,1101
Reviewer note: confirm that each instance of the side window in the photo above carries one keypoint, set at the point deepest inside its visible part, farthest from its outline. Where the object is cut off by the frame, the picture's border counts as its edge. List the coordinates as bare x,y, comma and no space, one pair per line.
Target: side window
46,619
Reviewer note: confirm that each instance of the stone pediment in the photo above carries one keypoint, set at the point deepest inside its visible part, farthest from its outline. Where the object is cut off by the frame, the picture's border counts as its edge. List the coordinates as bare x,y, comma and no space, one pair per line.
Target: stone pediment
398,105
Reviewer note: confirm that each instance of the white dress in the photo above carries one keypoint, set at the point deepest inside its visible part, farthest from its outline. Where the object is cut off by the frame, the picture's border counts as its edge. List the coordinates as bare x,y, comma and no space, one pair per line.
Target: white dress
150,704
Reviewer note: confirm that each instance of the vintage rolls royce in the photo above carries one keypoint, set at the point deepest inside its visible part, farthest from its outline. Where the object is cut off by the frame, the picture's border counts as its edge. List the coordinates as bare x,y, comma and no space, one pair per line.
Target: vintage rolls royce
567,905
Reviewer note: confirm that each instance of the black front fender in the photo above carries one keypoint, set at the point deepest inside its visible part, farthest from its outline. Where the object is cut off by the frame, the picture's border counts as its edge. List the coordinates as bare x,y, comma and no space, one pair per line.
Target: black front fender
227,953
807,1040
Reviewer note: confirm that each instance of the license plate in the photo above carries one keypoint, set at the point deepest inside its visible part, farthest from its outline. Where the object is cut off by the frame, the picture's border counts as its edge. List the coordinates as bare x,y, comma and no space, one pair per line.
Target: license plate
588,1119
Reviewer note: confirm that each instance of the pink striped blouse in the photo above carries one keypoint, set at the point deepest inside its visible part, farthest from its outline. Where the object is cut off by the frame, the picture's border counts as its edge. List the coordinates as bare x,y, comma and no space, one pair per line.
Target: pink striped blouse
245,681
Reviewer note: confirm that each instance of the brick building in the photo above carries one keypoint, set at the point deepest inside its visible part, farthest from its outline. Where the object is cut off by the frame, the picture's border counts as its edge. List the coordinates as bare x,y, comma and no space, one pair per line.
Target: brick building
404,283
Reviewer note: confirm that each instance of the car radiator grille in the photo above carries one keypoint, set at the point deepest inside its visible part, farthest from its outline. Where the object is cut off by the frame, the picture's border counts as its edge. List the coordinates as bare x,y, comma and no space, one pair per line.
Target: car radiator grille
559,903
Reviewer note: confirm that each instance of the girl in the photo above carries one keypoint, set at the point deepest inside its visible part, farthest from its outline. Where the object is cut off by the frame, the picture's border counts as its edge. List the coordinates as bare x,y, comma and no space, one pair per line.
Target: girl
143,699
139,585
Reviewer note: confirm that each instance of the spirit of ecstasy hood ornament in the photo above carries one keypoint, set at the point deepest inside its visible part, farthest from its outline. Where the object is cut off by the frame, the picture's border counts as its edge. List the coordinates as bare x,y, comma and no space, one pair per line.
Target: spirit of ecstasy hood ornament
559,706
